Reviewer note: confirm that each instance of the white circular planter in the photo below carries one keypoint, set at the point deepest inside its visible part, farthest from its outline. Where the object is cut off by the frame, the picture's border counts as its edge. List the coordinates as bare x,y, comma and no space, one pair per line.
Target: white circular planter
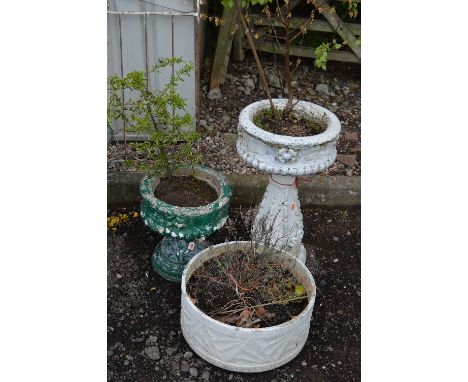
286,157
244,349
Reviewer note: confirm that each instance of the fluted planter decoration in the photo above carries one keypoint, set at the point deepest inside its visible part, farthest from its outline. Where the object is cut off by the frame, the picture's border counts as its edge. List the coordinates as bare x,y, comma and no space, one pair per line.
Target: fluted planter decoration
286,158
245,349
182,226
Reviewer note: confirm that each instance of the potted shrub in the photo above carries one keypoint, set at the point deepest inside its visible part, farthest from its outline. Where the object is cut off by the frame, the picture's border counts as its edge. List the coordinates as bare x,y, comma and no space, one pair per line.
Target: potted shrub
285,137
180,199
246,307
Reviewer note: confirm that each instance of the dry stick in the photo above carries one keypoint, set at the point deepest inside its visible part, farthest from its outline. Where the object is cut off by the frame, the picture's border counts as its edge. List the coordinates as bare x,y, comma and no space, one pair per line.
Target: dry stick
286,60
256,306
257,61
276,37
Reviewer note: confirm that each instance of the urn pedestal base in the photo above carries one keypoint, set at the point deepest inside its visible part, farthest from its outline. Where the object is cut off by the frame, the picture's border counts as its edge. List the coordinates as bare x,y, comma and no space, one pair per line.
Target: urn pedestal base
278,221
171,255
286,157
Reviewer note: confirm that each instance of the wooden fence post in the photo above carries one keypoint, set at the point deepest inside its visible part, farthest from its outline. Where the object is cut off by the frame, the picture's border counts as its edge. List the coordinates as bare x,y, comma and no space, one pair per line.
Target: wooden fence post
223,48
338,25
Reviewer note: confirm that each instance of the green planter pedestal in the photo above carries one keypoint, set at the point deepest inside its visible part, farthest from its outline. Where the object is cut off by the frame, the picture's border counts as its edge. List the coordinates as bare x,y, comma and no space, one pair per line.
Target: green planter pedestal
183,227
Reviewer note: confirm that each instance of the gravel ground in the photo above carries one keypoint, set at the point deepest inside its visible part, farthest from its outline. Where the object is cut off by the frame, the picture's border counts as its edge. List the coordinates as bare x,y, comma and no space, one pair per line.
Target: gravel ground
144,338
338,89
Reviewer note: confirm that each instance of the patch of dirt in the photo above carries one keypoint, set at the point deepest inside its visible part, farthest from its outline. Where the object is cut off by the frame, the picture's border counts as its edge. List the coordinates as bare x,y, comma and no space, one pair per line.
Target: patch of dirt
292,124
248,290
185,191
141,305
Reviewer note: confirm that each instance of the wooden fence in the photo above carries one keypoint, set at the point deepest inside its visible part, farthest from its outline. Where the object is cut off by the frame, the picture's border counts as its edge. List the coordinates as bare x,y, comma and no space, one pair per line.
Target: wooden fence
237,42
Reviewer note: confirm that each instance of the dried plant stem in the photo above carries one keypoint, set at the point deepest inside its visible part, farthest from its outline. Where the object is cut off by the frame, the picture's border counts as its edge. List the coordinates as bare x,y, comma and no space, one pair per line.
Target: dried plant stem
259,305
261,72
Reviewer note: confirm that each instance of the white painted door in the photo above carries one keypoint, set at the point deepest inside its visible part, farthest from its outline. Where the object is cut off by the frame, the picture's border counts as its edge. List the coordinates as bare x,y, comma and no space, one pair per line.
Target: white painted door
137,41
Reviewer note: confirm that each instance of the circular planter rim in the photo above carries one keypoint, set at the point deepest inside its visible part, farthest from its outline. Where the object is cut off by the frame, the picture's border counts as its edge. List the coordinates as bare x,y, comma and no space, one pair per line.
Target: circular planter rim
183,283
330,133
147,193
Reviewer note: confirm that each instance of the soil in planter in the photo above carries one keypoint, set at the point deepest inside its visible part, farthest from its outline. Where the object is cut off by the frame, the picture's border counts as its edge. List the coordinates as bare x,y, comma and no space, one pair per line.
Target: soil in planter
292,125
267,293
185,191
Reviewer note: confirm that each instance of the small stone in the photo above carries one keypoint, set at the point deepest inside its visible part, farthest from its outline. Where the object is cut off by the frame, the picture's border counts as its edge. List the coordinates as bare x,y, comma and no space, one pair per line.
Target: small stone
335,238
193,372
304,363
230,138
226,118
339,362
184,366
322,284
247,91
273,80
203,122
335,260
330,348
170,351
126,362
333,108
205,375
322,89
110,353
153,353
248,83
188,354
129,357
230,377
214,94
348,160
241,89
351,136
210,128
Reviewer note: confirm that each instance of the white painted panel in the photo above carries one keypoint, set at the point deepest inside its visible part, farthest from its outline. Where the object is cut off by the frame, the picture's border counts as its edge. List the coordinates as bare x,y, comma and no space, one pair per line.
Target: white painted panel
184,43
160,42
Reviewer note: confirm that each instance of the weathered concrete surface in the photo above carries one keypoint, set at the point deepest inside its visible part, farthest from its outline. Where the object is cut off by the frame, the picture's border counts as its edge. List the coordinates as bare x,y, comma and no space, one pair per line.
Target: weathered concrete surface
248,189
123,188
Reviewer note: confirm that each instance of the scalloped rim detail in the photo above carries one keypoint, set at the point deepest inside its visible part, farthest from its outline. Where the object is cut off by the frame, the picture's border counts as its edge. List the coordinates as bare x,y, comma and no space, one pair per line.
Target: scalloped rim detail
314,153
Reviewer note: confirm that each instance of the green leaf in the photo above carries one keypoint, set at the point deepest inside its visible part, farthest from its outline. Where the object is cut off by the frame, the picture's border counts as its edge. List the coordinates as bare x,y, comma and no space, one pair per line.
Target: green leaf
299,290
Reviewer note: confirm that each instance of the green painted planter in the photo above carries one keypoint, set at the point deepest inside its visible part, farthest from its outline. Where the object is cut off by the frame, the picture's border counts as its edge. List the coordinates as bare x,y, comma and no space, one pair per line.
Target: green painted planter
183,225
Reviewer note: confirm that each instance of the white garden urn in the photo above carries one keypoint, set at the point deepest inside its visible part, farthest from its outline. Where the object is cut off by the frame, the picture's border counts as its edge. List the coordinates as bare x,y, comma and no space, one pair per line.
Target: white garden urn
286,158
